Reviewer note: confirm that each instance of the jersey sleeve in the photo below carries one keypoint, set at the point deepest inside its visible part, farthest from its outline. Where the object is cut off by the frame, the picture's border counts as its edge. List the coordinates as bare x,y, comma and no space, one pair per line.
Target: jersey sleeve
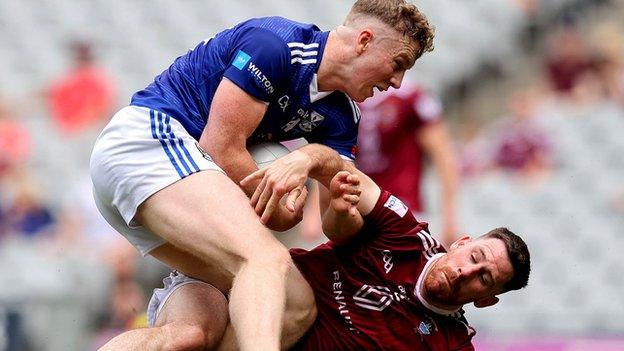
259,63
391,226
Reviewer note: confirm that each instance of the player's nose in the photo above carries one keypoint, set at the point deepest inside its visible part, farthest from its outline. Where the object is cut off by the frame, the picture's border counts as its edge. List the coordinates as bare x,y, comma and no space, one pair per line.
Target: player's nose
467,270
397,79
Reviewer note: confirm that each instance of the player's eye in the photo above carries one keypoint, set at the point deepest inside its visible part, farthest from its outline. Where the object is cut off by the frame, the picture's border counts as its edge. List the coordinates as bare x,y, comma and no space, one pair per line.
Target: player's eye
474,258
483,279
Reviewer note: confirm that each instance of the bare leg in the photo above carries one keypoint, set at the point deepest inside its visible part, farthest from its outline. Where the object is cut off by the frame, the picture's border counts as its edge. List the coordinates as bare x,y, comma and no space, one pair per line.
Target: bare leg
208,216
194,318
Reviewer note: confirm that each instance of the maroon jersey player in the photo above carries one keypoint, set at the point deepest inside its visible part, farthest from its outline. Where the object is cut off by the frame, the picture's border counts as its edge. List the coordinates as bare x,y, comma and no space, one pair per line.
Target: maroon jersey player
369,292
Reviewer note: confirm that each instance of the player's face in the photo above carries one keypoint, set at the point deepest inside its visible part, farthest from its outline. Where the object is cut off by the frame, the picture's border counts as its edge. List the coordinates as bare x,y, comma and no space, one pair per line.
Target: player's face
472,271
381,65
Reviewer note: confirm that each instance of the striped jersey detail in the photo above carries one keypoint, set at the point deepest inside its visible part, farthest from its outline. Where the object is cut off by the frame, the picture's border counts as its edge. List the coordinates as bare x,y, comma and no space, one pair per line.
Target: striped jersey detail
430,244
302,53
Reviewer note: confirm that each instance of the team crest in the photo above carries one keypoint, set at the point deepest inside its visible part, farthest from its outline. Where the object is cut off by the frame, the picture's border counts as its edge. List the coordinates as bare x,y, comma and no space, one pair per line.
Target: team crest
307,124
425,328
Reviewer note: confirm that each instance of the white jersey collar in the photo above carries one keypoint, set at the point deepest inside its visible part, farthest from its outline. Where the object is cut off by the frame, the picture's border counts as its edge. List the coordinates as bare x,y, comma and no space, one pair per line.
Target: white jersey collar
418,291
315,94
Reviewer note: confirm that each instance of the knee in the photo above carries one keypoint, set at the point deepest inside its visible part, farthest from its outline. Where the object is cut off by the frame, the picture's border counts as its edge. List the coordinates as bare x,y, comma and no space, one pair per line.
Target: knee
275,258
297,321
187,337
305,316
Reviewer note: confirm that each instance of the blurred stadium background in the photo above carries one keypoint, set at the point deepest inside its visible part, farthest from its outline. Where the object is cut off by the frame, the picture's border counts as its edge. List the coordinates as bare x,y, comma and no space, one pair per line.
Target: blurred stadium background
533,91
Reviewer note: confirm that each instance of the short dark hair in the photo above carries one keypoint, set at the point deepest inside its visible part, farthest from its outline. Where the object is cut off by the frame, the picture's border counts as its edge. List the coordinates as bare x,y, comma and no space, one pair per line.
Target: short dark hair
519,257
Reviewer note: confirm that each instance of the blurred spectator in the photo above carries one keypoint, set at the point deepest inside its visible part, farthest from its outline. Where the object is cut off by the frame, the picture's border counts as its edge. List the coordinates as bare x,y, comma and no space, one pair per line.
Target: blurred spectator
521,144
15,141
609,41
473,151
399,129
567,59
25,213
85,96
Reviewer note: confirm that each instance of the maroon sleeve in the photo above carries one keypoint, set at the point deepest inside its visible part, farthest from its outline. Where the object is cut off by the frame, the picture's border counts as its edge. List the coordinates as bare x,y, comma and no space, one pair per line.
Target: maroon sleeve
391,226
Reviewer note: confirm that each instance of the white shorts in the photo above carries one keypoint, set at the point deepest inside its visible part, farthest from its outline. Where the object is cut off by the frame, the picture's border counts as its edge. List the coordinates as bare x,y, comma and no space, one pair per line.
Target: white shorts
159,298
140,152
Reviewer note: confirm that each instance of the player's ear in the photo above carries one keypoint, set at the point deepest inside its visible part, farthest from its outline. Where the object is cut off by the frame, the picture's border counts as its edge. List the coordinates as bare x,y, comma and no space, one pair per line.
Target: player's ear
363,40
486,301
460,242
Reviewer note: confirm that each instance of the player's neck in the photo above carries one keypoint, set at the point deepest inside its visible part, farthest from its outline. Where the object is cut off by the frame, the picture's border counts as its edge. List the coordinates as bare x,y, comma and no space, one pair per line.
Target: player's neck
333,72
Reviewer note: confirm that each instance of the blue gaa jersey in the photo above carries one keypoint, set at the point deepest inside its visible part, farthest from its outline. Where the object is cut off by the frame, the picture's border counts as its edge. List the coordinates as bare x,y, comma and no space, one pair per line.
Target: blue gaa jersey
273,59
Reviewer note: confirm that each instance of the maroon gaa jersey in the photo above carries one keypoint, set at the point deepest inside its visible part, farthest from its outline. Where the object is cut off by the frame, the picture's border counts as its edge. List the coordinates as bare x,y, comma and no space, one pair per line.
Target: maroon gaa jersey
367,292
388,150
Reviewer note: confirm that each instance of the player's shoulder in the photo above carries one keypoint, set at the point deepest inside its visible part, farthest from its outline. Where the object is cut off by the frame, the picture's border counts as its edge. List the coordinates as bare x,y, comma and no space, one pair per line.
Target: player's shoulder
279,28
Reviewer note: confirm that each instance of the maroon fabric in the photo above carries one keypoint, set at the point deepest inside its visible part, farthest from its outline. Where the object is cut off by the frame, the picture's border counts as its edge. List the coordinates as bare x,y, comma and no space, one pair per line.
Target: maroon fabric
365,290
388,150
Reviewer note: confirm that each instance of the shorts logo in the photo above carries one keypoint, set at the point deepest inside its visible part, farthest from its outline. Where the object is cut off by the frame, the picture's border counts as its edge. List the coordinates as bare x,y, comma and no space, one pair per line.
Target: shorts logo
241,59
203,153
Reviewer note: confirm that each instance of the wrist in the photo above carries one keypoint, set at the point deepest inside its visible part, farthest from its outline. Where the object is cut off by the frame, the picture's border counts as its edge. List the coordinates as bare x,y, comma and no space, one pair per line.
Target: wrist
310,162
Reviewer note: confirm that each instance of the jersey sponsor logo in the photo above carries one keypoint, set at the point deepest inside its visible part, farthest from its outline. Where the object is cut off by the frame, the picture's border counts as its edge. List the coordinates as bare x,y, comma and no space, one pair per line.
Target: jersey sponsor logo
241,59
377,298
302,53
387,260
396,205
340,301
261,78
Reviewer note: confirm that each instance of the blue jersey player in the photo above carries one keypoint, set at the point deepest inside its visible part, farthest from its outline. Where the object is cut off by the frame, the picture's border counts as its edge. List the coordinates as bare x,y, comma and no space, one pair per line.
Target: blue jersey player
165,169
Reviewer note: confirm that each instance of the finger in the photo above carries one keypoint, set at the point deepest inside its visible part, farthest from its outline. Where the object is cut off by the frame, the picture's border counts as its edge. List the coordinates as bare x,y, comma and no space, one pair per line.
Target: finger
350,189
352,199
353,179
270,207
292,198
256,195
259,174
263,199
342,176
301,200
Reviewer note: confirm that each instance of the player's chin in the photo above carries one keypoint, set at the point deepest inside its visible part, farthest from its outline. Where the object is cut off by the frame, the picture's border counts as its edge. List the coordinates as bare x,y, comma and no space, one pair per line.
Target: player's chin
361,95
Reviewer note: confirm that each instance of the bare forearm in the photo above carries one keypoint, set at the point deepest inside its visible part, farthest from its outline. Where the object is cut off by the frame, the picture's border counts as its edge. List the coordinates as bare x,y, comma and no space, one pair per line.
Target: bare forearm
325,162
235,161
341,225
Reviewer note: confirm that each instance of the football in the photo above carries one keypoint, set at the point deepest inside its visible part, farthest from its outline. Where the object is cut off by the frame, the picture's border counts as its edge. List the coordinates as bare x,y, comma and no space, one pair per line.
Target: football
265,153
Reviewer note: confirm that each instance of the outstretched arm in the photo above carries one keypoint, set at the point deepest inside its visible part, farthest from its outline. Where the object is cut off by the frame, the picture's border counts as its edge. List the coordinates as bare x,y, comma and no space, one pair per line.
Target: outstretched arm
325,165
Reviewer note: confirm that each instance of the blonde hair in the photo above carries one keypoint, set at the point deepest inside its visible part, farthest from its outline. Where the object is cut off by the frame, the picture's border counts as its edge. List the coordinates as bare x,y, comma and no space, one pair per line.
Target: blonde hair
400,15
